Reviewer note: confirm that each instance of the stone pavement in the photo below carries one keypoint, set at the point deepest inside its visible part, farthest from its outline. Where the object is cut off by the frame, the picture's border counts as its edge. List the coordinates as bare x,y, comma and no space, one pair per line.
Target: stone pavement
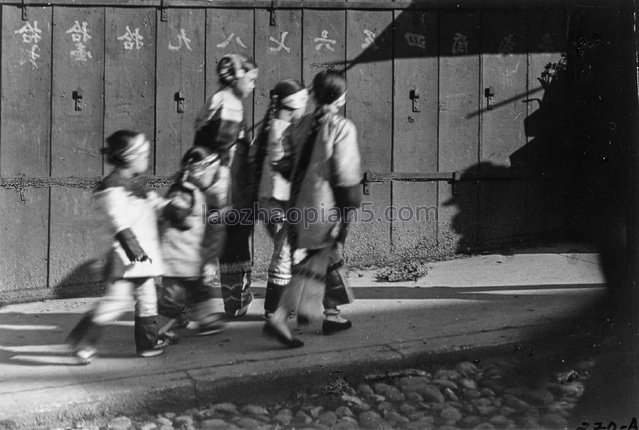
460,305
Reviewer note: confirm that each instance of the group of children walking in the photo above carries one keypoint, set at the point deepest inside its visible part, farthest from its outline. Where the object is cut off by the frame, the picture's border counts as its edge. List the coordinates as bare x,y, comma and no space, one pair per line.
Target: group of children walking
296,161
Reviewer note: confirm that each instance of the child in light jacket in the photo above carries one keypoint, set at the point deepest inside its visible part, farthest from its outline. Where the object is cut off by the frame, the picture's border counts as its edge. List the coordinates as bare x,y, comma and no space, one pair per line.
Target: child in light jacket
191,245
134,259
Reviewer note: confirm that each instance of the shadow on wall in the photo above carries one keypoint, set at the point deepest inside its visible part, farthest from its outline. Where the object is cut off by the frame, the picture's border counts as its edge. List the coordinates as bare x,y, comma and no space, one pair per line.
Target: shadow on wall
531,198
579,182
86,280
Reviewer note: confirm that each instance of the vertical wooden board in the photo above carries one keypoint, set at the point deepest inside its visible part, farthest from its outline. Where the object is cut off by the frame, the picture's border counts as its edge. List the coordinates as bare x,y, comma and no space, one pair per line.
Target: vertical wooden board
26,92
76,135
544,157
278,52
228,31
74,239
324,41
180,74
504,68
78,70
415,130
23,242
130,71
459,98
369,106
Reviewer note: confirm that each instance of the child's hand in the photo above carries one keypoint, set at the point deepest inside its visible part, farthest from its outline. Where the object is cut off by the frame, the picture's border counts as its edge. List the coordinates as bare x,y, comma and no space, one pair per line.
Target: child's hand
210,273
142,258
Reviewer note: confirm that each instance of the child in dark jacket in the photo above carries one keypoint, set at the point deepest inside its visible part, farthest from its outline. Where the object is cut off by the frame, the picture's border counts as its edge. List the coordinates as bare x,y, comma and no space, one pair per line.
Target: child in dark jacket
220,128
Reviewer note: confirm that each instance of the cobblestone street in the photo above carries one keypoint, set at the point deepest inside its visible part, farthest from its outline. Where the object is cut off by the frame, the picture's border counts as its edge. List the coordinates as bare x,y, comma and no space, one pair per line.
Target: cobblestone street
495,393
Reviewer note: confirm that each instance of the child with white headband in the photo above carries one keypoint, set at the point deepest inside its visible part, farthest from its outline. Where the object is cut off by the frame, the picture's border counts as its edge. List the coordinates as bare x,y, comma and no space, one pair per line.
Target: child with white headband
220,128
288,104
134,259
324,165
189,244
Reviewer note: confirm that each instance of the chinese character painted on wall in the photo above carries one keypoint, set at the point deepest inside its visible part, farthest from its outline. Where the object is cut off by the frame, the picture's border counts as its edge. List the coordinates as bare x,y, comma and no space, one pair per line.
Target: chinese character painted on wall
181,40
507,45
132,39
80,35
228,41
279,44
324,42
370,39
416,40
31,35
460,44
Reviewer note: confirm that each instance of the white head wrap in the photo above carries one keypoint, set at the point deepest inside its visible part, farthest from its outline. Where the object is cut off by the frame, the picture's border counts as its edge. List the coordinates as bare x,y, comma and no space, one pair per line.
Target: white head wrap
296,100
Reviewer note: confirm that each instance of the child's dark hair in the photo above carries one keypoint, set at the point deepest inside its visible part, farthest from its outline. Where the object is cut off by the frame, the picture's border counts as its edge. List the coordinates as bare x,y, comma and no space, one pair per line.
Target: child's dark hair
230,65
195,154
116,145
328,86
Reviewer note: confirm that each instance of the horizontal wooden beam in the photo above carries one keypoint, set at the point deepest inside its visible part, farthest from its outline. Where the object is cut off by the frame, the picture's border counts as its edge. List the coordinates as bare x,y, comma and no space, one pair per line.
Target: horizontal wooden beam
310,4
441,176
24,182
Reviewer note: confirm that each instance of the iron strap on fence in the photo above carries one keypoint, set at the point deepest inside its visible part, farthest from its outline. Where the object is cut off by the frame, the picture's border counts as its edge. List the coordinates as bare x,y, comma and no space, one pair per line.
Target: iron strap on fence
22,183
452,178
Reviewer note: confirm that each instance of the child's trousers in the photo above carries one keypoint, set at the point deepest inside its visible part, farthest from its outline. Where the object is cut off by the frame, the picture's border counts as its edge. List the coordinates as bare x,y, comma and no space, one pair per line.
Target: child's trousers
272,213
235,269
279,271
116,301
318,283
178,292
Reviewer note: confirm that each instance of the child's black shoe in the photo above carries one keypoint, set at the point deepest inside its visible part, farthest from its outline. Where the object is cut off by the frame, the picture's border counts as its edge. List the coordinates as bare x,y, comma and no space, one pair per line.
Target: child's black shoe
157,349
330,327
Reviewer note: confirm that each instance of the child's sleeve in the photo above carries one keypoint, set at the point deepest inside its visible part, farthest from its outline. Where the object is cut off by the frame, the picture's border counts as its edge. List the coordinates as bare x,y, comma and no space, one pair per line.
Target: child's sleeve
284,165
214,237
208,110
112,201
346,166
156,201
180,202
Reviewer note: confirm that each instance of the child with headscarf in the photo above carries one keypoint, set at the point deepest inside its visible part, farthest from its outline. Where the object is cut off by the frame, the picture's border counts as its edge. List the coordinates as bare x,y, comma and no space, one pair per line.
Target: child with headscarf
134,259
220,128
188,245
325,172
288,103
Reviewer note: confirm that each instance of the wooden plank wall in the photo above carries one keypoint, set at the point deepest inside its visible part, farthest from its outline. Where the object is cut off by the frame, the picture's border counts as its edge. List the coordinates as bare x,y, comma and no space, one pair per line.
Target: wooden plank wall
370,104
415,143
128,65
504,69
76,138
459,105
24,148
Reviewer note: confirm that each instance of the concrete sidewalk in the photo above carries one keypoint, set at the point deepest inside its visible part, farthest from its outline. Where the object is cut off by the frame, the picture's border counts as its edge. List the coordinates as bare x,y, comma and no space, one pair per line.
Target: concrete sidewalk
474,302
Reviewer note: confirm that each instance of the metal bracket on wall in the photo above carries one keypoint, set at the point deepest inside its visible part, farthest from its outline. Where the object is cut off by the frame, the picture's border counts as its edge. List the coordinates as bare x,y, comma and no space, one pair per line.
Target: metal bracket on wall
453,178
164,15
77,98
25,11
405,177
271,15
179,98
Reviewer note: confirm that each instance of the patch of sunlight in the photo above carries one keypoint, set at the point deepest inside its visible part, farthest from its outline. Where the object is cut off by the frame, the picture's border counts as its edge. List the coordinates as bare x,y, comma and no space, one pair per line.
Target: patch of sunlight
541,291
27,327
